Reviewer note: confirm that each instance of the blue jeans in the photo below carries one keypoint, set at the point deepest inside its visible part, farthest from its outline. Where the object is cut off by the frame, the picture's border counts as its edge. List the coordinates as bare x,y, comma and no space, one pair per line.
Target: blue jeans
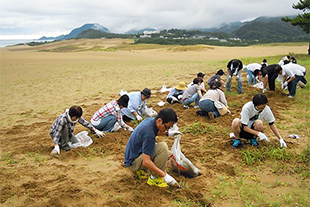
208,105
228,82
293,84
251,76
106,124
190,100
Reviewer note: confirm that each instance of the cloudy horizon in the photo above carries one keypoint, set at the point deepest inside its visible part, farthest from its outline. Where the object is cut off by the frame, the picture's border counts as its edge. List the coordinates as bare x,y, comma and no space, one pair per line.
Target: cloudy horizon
35,18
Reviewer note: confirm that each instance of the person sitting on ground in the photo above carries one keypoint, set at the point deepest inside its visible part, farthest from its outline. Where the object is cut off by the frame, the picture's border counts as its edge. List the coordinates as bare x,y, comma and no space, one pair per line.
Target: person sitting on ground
269,75
292,73
250,68
250,126
192,94
216,77
136,105
234,67
109,117
143,154
175,94
63,127
206,103
201,76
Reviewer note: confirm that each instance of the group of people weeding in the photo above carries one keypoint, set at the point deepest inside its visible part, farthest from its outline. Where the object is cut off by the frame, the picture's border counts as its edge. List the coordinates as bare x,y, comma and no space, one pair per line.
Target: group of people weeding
143,155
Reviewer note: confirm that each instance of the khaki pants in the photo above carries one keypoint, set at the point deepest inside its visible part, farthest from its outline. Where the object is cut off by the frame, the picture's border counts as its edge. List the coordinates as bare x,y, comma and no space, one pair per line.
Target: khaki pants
159,158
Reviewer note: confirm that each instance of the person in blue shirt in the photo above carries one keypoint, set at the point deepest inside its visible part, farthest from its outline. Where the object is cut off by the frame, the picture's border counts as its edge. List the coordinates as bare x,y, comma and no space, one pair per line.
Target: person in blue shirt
143,154
136,105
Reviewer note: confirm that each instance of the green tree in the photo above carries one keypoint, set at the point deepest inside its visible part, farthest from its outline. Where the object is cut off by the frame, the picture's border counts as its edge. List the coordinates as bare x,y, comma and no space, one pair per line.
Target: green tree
302,20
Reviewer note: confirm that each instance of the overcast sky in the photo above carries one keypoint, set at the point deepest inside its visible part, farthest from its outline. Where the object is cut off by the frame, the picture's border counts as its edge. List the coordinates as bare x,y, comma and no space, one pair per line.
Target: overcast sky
37,18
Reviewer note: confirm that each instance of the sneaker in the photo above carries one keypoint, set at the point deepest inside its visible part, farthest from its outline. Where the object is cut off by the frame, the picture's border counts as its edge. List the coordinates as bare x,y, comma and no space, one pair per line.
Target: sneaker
254,142
66,148
236,143
158,182
116,127
211,115
186,106
291,96
201,113
196,107
141,174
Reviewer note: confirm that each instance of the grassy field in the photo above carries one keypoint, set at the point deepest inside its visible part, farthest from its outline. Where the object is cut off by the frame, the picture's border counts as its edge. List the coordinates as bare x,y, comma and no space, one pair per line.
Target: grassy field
39,83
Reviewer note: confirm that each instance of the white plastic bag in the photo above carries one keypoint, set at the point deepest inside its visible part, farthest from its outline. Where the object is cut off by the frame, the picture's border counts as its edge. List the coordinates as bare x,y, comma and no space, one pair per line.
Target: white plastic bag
149,112
259,85
83,140
179,163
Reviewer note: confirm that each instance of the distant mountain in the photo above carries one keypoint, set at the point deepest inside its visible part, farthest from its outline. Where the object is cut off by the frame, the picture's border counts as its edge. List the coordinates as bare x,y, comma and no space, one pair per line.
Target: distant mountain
266,28
133,31
75,32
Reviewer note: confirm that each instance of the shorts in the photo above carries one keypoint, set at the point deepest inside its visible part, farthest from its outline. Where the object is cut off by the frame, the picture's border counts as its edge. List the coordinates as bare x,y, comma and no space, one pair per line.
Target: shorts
247,135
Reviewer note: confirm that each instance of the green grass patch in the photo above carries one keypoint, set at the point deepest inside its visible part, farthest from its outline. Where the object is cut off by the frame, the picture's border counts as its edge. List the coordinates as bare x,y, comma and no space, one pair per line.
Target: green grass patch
200,128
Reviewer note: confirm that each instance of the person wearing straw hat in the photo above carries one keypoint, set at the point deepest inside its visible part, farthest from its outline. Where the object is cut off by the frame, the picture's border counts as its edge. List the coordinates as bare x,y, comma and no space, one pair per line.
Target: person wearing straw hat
175,94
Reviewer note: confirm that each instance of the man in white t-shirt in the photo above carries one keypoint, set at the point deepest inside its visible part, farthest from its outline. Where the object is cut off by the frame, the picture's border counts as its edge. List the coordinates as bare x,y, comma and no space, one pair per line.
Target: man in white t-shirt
250,68
292,73
250,126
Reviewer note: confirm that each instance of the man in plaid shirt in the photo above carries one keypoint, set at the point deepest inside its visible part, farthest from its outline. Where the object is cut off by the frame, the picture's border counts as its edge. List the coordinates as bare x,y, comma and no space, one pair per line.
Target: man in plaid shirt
63,127
109,117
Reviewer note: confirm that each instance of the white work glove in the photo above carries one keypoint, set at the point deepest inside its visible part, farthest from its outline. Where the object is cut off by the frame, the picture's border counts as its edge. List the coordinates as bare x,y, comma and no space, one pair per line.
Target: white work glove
262,137
56,150
284,85
264,90
130,129
138,117
170,180
99,133
172,133
282,143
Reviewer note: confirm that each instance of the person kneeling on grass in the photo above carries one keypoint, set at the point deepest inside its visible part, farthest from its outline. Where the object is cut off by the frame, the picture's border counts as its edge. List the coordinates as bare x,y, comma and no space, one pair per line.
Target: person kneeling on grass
250,126
142,153
109,117
63,127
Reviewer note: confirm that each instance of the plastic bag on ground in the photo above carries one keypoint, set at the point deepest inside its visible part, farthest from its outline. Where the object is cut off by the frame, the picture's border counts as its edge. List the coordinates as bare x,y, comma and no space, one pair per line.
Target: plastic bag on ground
179,163
149,112
83,140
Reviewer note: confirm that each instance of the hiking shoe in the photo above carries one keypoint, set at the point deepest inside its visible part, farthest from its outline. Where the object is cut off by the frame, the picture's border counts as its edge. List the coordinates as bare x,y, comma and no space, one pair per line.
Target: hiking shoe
158,182
141,174
211,115
236,143
186,106
254,142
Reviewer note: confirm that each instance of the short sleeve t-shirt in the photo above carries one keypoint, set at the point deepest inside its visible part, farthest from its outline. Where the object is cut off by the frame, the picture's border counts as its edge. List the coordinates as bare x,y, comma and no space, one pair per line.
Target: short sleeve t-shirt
189,92
253,66
292,69
249,114
142,140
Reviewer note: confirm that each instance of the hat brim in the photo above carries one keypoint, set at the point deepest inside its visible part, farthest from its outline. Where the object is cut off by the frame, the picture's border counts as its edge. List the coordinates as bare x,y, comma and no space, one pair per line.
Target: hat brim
180,88
147,95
